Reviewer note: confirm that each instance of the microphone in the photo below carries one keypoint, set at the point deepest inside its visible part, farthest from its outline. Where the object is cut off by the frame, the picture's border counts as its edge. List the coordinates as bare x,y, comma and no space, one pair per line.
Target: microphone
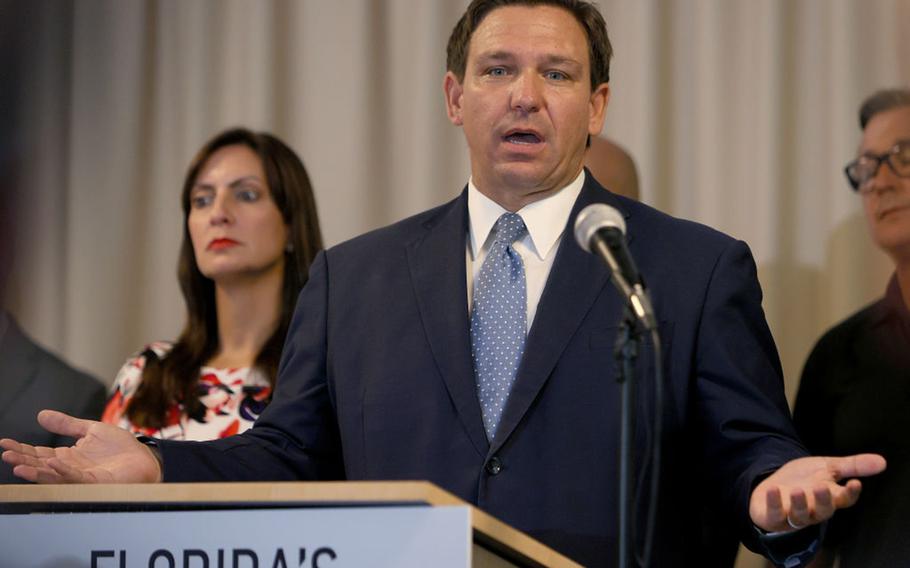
601,230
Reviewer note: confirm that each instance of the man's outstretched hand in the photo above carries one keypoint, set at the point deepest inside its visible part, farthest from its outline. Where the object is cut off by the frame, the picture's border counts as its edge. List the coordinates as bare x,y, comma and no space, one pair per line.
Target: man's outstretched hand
102,454
806,491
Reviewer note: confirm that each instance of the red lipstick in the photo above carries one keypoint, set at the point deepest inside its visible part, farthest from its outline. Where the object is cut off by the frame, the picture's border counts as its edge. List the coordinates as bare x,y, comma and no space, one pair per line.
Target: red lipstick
221,244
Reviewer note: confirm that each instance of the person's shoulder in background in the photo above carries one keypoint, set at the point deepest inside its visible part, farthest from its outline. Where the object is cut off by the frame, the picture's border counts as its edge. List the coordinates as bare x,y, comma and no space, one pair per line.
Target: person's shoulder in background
33,379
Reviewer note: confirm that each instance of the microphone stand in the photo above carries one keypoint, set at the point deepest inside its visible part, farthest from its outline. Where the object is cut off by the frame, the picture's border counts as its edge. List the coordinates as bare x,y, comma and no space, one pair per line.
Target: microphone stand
625,351
638,318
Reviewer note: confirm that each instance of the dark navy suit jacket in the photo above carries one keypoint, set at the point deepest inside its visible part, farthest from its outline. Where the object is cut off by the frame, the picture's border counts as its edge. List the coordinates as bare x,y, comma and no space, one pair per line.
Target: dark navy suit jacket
376,383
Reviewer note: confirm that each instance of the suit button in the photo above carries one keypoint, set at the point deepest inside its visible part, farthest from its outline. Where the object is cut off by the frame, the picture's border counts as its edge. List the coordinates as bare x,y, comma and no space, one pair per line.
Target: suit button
494,466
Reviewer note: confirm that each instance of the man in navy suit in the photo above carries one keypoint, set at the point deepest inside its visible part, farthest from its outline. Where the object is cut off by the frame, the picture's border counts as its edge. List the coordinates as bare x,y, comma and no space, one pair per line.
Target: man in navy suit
378,375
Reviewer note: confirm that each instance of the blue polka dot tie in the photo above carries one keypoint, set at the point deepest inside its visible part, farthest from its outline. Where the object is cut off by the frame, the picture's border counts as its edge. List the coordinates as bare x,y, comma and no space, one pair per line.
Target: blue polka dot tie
498,319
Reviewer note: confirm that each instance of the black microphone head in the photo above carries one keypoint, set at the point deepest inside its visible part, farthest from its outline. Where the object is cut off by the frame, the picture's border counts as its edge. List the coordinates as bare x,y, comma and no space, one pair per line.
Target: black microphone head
595,217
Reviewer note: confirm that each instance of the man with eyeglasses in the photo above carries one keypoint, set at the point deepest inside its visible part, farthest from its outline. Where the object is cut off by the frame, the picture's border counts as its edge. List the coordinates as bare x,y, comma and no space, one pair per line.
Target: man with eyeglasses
855,390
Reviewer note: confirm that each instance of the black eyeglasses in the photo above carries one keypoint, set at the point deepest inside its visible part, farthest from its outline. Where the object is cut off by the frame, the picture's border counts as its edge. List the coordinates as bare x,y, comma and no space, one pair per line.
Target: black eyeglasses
863,169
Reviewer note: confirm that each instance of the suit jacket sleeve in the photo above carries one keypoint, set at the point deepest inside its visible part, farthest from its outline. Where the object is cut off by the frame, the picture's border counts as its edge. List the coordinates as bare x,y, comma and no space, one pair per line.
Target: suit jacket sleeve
740,397
296,437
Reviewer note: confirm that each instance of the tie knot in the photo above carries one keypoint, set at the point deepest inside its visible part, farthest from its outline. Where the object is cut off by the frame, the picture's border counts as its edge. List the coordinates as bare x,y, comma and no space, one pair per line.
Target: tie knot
509,228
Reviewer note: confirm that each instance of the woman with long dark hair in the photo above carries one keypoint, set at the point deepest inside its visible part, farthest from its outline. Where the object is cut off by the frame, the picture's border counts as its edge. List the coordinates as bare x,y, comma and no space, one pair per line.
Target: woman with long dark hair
250,233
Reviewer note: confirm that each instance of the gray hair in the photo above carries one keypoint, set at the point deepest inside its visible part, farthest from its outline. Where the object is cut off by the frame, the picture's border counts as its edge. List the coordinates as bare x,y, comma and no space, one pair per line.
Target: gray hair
881,101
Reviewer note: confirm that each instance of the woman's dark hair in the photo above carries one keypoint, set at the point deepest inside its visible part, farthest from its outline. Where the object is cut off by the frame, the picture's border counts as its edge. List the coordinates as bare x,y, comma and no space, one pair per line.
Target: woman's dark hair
174,378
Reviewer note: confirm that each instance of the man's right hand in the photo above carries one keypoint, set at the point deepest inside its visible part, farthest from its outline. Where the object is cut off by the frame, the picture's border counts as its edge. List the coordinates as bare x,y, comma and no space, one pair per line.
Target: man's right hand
103,453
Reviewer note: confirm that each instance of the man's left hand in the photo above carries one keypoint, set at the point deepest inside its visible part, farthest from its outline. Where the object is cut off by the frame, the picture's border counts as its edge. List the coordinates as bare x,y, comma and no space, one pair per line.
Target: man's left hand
806,491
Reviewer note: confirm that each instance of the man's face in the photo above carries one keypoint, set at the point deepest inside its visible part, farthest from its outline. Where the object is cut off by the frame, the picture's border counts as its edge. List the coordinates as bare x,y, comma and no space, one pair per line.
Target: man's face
525,103
887,201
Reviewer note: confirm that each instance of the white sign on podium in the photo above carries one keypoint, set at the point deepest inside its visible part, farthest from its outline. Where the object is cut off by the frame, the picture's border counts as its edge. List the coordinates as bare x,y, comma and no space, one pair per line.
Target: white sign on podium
378,537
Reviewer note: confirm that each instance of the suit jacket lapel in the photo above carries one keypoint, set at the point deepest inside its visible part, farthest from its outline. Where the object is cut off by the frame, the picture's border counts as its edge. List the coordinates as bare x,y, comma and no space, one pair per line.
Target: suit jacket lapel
576,280
437,264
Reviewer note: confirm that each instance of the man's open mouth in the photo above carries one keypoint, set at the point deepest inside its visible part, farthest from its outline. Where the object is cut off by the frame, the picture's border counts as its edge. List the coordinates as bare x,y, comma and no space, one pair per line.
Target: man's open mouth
522,137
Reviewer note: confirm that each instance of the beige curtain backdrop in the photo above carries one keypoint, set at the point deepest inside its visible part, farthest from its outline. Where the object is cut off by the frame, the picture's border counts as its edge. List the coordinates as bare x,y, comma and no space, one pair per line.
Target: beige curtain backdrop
739,113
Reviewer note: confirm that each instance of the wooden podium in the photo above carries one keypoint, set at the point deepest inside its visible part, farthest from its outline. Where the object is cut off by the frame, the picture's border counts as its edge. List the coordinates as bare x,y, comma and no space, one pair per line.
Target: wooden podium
321,524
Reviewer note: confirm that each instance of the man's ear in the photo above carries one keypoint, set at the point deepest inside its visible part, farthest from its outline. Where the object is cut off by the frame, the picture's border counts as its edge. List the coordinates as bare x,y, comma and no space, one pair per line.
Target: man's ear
600,98
453,90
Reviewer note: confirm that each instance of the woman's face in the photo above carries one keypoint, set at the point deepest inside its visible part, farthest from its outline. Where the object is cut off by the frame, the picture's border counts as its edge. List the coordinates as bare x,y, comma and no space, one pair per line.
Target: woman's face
236,229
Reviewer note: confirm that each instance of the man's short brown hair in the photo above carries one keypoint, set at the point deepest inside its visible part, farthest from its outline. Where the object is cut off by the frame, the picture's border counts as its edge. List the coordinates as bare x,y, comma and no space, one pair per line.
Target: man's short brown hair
599,49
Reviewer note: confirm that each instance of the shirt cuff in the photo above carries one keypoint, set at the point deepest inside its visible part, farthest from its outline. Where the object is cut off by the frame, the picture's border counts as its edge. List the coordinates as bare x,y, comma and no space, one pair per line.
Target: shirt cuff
791,549
152,445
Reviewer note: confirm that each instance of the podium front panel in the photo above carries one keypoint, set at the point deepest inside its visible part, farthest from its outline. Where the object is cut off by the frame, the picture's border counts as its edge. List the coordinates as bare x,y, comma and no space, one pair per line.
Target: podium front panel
272,525
401,537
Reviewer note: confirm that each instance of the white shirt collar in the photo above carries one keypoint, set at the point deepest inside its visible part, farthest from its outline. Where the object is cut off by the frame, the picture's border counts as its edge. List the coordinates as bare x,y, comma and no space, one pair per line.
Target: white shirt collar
545,219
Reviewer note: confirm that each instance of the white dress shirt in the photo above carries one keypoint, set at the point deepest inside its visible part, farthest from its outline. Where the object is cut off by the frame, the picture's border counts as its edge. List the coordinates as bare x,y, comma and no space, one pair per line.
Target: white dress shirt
545,219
